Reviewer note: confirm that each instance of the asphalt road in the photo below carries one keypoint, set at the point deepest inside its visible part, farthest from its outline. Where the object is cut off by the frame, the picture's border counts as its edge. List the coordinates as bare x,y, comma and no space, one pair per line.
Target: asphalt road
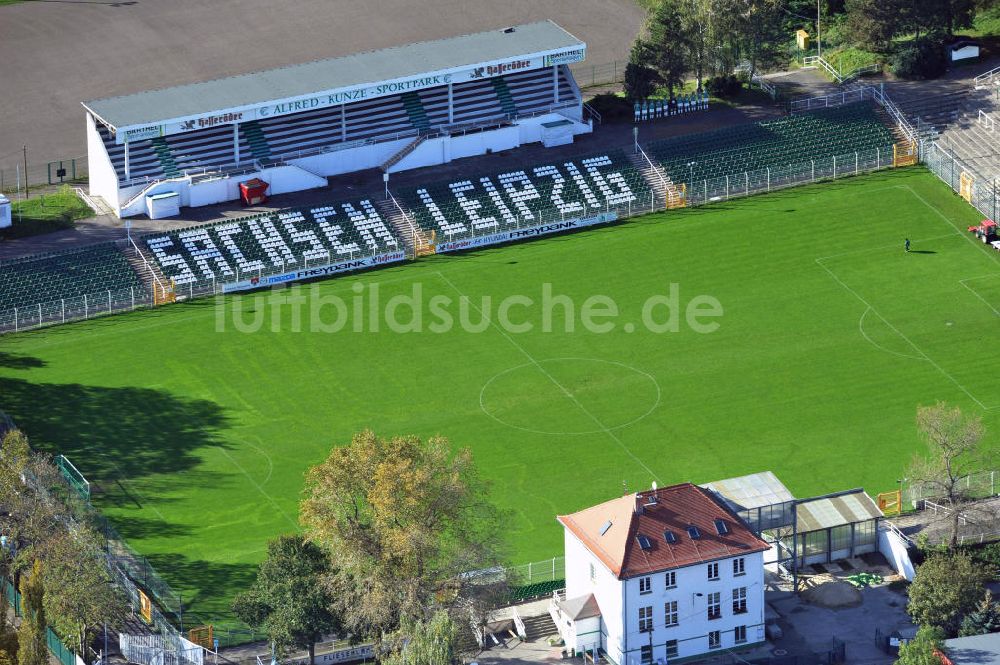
56,53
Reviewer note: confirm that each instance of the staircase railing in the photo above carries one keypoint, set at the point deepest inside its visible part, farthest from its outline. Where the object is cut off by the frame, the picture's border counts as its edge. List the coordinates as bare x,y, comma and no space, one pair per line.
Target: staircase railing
817,62
897,115
416,237
987,121
986,78
149,267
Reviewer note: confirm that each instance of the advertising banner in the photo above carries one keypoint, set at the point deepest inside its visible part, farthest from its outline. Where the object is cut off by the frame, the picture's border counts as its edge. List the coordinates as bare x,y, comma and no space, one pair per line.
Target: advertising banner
314,272
349,95
528,232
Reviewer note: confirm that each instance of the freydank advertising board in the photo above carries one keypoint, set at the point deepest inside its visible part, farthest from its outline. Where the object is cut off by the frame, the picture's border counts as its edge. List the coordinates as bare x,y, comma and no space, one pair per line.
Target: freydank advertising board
528,232
314,272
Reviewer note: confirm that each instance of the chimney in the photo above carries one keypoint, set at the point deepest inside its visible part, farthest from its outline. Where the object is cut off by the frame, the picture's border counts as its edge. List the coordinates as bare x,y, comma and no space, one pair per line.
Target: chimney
638,504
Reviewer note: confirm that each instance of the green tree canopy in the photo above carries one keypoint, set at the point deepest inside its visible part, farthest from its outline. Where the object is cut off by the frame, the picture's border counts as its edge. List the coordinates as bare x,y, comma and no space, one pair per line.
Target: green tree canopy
289,600
945,589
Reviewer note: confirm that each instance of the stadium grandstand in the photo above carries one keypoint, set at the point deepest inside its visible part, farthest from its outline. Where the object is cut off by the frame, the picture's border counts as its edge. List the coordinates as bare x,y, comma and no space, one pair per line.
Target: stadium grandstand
843,136
395,109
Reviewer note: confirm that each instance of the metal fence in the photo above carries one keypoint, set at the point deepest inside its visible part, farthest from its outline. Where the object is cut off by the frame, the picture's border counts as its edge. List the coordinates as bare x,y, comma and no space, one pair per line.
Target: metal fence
60,651
548,570
946,165
70,170
588,75
87,306
979,485
724,187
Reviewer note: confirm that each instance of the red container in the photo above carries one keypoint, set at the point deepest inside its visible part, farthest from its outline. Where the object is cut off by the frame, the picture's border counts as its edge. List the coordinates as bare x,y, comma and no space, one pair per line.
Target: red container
253,192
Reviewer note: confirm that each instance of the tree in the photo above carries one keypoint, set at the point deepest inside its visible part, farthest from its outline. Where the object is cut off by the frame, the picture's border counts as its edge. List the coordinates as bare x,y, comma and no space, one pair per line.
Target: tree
31,638
82,595
424,642
668,45
920,650
984,619
640,78
289,600
696,22
944,590
403,519
873,23
953,453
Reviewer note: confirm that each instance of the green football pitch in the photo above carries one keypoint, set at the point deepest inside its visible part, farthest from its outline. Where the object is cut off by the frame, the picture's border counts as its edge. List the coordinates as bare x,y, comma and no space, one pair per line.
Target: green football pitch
195,428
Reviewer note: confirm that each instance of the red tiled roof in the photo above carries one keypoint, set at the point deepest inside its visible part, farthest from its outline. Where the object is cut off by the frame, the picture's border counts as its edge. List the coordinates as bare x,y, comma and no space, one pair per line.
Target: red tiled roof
674,509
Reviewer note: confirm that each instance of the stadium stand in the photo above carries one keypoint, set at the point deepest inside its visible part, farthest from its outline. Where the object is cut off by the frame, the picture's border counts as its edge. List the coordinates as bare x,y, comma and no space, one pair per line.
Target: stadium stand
578,187
287,239
496,99
773,143
49,278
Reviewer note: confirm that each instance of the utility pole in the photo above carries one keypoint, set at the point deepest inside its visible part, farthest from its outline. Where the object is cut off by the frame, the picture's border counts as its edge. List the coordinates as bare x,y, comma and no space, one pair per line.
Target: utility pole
24,149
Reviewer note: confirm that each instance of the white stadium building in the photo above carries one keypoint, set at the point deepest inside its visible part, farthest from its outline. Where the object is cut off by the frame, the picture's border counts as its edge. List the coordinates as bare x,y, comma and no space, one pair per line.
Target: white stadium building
395,109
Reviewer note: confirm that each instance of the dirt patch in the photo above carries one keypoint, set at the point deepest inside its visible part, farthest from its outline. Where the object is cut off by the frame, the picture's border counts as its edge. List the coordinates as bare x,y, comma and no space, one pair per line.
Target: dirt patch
827,591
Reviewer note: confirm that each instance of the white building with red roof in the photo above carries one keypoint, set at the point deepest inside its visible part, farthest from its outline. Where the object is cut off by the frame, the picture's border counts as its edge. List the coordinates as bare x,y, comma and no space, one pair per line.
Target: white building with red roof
660,575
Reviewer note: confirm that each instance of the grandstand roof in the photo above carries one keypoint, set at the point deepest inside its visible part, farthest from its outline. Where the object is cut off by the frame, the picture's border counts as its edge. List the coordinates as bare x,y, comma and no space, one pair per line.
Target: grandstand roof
348,73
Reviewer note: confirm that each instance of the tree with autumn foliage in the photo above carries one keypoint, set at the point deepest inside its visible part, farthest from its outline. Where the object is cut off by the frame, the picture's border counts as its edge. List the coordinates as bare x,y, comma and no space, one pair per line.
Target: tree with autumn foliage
404,520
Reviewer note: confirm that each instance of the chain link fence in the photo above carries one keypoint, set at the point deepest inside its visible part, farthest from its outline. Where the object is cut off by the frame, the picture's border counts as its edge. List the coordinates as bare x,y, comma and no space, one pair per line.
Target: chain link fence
985,196
979,485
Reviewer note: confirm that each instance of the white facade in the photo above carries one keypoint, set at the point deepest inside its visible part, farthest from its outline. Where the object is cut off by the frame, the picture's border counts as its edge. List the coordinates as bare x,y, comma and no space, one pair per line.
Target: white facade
629,606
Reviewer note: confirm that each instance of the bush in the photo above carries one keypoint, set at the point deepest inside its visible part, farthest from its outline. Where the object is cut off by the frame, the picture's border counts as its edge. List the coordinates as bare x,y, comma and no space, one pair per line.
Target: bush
612,107
923,58
724,86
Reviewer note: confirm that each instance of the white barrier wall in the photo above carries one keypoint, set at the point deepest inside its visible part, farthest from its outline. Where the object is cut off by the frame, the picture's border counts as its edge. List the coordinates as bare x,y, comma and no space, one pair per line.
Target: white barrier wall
102,179
895,550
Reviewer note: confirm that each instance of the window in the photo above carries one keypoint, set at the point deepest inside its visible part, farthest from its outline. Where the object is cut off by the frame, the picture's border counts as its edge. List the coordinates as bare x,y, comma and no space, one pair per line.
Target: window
713,571
645,619
671,580
741,634
645,585
739,567
714,639
865,533
671,648
593,572
646,653
670,613
740,600
813,542
840,538
714,605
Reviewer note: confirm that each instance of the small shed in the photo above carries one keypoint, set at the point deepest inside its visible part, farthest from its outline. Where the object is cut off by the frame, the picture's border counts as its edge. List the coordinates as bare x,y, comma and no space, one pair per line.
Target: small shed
802,40
836,526
964,49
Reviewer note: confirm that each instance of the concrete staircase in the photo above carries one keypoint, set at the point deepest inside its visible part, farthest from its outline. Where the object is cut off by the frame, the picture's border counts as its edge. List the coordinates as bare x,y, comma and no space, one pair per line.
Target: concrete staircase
401,154
667,194
539,627
975,140
161,288
416,241
938,111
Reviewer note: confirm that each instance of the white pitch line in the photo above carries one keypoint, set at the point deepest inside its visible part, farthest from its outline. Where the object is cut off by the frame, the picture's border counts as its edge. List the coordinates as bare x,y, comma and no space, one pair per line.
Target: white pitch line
882,247
941,215
260,489
904,337
973,292
551,378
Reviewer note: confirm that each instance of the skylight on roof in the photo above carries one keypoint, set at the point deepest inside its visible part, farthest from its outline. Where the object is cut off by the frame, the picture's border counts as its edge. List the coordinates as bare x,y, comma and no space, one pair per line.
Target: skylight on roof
693,532
644,542
605,527
670,537
721,527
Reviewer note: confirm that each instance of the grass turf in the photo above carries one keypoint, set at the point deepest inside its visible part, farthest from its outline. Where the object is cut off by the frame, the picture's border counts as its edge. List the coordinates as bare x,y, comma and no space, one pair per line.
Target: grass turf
45,213
197,439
